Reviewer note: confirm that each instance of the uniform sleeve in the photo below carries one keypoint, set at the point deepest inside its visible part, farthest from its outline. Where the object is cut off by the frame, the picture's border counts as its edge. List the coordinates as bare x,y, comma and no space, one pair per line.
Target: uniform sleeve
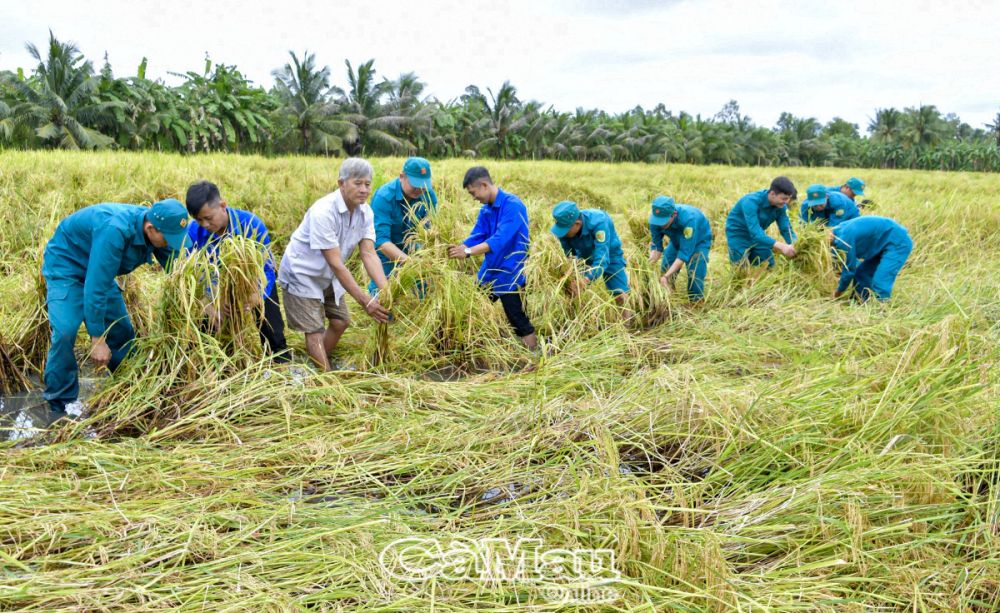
748,208
194,239
478,233
686,244
850,266
785,227
259,233
381,208
323,229
105,257
669,255
599,260
850,211
657,233
510,226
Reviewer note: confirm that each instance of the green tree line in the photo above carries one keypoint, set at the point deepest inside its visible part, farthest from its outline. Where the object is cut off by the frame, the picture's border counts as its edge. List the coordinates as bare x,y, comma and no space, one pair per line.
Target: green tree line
65,103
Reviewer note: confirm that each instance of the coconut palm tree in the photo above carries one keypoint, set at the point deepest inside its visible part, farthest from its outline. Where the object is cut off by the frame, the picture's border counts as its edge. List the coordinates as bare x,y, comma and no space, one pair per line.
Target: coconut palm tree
922,126
887,125
307,116
995,129
503,119
378,125
59,100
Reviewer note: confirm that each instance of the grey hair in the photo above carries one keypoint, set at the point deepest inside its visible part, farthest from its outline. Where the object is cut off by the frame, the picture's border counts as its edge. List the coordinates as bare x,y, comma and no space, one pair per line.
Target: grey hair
355,168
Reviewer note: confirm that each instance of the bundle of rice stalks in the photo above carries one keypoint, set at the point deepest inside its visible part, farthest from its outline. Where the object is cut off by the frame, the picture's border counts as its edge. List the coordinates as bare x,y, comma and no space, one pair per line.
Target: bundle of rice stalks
180,353
813,254
814,259
560,303
241,281
638,226
440,316
648,299
24,338
35,338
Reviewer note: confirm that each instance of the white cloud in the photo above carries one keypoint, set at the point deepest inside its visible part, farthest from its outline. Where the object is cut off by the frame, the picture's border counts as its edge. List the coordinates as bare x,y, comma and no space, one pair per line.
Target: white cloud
820,59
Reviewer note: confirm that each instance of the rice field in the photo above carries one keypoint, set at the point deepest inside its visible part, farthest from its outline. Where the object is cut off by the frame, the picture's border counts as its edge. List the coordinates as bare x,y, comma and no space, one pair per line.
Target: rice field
769,450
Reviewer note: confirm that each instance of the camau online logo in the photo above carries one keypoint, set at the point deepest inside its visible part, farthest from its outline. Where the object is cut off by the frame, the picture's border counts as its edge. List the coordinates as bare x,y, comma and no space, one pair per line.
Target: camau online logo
568,576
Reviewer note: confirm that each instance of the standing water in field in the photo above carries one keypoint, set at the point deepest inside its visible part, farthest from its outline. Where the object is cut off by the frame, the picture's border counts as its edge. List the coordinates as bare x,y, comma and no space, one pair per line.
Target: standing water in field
26,413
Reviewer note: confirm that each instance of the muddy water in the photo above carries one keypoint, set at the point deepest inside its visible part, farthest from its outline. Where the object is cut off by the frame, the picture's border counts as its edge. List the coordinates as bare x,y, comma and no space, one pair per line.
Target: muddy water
25,414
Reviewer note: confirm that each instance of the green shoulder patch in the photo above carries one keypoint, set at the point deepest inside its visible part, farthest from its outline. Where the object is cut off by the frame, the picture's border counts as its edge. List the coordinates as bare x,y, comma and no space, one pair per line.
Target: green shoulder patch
840,211
600,236
688,232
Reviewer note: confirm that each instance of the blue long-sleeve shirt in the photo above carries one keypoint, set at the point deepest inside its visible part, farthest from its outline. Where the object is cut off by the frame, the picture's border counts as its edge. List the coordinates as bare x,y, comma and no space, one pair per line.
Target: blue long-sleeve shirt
839,208
395,216
751,216
241,223
597,243
863,238
503,225
687,233
93,246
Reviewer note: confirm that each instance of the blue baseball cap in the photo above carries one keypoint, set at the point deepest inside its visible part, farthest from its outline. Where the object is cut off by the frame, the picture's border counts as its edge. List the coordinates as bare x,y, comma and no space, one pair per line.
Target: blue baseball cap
170,217
418,171
565,213
815,195
663,209
857,186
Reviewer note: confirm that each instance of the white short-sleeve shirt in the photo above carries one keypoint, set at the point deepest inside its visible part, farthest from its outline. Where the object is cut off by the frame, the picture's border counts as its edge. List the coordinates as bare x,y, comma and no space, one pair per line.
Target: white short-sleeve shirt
328,224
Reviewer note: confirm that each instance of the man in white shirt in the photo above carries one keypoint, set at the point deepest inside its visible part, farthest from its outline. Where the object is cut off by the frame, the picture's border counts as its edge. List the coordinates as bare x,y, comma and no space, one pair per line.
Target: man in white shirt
312,272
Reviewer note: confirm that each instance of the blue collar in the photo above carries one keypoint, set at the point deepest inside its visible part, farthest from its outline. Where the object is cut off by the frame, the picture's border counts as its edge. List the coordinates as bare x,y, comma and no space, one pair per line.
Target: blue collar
400,196
586,228
500,196
140,238
233,219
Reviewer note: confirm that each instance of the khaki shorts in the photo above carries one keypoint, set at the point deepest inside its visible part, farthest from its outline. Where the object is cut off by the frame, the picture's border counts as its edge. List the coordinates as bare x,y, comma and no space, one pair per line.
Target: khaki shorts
306,314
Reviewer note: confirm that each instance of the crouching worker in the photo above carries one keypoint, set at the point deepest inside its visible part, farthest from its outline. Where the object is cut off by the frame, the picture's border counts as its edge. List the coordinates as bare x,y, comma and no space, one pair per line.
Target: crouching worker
399,207
218,221
88,250
852,188
590,236
313,273
874,251
749,219
690,240
828,208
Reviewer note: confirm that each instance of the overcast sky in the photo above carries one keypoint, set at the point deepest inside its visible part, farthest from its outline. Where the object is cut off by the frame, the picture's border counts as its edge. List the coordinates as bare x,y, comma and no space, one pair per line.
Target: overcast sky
821,58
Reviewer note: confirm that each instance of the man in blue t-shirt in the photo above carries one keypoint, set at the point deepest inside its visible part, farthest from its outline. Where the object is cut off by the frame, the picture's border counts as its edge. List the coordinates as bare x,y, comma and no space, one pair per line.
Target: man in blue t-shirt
216,220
